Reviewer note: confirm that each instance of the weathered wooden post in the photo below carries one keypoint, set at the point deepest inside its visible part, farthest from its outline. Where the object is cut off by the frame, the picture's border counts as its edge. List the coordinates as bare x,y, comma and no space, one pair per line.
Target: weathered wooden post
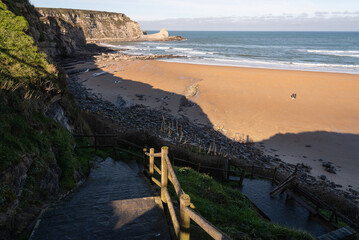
227,167
331,216
274,174
95,144
296,169
152,162
114,146
334,216
164,173
185,202
243,175
252,172
144,159
199,167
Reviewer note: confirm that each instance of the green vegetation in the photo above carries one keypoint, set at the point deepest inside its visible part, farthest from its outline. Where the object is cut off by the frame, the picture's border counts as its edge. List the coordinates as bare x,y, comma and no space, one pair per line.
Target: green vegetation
22,66
28,84
229,210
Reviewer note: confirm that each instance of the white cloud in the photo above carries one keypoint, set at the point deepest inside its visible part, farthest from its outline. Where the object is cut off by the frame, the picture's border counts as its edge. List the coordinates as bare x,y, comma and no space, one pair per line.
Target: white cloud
164,9
319,21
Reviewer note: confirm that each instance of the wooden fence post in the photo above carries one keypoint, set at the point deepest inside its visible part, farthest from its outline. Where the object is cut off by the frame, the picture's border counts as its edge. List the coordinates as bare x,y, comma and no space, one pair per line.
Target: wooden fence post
274,174
296,169
334,216
199,167
331,216
243,175
114,146
226,170
144,159
185,201
152,162
164,173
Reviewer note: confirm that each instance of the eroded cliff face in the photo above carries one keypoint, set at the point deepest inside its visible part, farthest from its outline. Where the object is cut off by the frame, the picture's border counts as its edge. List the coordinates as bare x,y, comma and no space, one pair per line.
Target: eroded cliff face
97,25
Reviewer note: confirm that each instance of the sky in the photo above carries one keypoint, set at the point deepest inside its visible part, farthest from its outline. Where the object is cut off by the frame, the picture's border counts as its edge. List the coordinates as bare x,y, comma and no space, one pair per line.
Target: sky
228,15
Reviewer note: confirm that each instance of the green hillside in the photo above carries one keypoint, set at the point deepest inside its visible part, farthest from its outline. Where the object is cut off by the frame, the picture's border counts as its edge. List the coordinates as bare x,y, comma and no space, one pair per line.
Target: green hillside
29,141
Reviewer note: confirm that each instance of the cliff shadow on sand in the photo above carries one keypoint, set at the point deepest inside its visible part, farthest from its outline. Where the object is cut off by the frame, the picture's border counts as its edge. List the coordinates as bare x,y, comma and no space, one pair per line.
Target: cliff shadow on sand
332,156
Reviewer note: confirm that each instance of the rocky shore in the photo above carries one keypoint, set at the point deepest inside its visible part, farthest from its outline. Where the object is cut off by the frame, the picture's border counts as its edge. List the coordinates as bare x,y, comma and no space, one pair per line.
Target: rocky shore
180,130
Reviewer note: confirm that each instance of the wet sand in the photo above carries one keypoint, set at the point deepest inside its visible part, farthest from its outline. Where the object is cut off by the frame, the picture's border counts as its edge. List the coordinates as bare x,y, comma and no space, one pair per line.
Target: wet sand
321,124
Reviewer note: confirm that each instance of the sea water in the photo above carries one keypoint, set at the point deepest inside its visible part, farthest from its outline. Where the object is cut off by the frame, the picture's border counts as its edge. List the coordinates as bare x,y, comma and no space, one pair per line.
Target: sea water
308,51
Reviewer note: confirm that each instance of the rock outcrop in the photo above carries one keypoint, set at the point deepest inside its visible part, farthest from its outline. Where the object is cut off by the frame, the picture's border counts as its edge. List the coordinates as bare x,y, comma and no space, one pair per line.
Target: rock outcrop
160,36
62,38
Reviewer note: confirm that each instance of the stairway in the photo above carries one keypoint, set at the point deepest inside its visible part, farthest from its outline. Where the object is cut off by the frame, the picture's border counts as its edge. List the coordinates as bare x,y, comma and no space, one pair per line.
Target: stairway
115,202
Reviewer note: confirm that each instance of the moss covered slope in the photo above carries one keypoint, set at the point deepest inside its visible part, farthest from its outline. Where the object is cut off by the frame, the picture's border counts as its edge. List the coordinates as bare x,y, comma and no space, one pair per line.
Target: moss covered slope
37,157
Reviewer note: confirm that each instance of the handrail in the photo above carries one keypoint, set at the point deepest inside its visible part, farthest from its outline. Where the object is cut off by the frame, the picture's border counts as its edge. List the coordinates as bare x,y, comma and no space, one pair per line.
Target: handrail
186,214
175,181
203,223
154,154
306,194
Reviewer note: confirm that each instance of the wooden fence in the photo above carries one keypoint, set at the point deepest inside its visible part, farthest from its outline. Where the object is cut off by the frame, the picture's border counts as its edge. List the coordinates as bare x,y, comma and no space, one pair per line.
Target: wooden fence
181,226
241,171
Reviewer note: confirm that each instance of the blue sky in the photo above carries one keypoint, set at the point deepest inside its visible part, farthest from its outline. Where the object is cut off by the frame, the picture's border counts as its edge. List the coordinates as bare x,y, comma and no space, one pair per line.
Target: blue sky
311,15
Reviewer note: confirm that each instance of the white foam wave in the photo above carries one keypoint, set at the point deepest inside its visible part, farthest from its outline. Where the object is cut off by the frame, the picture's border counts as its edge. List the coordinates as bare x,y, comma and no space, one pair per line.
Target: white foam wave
183,49
297,64
196,52
190,52
164,48
336,53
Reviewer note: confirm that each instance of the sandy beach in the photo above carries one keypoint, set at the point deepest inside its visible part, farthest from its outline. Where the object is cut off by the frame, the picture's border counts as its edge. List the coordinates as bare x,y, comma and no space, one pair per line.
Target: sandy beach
321,124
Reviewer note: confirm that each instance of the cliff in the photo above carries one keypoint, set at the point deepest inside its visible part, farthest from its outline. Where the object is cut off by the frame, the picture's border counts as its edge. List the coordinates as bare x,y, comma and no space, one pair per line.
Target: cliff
97,25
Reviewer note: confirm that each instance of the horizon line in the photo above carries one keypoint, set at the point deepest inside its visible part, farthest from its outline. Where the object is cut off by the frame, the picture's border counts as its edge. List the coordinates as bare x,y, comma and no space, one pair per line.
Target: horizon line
331,31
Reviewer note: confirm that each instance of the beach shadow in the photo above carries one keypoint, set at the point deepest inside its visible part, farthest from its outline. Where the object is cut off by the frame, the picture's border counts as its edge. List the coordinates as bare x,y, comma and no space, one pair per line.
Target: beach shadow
316,149
129,93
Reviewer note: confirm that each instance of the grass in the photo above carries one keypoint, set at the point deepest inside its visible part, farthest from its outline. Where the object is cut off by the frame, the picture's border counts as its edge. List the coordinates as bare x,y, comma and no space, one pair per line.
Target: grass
228,210
28,82
22,66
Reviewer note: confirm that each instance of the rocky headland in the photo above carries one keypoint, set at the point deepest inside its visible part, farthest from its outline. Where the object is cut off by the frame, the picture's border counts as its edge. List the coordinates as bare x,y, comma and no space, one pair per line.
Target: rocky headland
99,26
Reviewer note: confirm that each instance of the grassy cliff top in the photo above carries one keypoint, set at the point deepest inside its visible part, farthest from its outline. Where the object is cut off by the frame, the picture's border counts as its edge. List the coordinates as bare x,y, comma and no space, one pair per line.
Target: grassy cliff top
78,11
22,65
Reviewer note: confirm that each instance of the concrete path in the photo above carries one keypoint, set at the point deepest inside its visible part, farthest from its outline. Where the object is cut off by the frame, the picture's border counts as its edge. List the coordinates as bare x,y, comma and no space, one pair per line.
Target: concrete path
114,203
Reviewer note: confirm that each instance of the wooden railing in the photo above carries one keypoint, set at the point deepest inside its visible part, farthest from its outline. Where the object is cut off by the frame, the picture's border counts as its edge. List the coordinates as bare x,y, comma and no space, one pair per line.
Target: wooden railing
271,173
181,226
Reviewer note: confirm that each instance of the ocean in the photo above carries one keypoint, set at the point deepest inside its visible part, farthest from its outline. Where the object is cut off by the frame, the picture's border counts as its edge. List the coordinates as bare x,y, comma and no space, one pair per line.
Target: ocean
307,51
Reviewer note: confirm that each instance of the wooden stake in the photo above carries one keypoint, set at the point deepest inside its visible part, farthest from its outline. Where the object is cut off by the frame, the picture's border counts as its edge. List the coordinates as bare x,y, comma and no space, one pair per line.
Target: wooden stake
185,201
164,174
152,162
